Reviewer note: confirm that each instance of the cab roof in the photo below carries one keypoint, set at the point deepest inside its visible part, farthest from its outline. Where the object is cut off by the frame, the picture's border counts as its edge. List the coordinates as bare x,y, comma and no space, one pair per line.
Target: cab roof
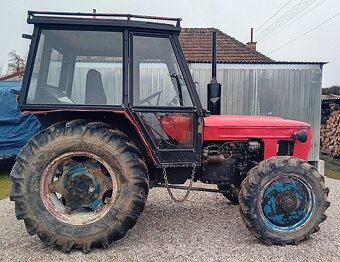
104,20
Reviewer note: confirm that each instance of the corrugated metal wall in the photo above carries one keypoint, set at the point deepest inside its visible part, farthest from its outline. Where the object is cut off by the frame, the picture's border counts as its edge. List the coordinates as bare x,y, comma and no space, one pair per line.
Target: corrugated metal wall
292,91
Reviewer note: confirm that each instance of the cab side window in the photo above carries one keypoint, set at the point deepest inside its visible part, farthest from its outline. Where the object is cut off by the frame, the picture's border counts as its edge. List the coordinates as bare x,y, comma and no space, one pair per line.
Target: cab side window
158,80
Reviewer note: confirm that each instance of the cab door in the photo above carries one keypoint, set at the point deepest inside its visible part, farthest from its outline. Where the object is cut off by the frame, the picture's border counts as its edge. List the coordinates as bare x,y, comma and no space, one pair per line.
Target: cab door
162,101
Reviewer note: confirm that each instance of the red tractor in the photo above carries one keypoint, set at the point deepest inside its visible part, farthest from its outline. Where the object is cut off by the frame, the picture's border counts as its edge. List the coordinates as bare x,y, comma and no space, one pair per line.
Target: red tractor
120,115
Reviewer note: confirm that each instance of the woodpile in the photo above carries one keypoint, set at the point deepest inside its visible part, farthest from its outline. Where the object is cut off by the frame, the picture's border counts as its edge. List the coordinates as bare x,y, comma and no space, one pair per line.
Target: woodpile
330,135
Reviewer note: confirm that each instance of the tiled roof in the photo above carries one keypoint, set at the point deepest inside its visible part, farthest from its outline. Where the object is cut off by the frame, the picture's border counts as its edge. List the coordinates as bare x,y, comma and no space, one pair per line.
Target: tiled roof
197,47
14,76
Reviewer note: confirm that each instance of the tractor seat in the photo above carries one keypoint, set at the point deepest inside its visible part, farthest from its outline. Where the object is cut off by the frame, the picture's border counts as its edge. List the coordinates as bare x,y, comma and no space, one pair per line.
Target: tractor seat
94,93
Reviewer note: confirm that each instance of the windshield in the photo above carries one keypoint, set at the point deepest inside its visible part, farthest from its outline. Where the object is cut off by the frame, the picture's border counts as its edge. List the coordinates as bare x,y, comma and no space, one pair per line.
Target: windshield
77,67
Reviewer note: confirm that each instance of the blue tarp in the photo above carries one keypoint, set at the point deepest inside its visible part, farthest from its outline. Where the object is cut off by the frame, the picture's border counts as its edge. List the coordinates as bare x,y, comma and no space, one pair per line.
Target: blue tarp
15,128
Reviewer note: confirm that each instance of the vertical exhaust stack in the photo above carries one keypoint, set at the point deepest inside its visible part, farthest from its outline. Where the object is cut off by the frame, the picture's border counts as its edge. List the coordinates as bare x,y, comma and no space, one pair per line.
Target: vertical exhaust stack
214,88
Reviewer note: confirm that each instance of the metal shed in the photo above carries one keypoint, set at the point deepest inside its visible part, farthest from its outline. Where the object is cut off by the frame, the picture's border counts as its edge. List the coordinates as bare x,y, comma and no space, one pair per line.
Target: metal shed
287,89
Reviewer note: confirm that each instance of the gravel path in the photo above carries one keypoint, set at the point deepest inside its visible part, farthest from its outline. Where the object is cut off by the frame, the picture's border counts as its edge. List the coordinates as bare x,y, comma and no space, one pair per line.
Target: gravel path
204,228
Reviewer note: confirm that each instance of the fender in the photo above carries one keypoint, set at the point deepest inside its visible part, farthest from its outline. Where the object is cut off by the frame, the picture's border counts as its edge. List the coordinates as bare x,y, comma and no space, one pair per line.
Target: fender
106,116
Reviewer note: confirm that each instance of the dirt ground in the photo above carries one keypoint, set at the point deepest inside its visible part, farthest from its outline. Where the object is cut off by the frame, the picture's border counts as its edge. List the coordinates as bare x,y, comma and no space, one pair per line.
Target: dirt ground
204,228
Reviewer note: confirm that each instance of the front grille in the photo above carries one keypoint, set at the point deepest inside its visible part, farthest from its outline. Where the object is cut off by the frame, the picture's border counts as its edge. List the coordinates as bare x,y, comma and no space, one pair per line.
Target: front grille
285,148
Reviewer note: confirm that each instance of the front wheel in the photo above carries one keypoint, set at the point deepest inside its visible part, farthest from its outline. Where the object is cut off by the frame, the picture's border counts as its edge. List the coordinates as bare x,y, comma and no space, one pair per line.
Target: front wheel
79,185
283,200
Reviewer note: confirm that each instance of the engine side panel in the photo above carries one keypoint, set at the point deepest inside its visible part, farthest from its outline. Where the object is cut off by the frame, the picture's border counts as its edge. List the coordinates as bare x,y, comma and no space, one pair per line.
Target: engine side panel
270,130
229,162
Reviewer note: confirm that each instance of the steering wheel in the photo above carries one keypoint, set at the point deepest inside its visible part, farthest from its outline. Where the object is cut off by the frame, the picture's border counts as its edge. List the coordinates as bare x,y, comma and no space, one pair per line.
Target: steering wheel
148,98
174,102
57,96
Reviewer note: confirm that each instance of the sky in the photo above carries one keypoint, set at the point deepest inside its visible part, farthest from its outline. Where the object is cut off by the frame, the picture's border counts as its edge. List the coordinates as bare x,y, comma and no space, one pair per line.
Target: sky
286,30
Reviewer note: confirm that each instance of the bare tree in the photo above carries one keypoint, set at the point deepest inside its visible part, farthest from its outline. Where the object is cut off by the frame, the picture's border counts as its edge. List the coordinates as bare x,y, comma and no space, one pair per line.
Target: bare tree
16,62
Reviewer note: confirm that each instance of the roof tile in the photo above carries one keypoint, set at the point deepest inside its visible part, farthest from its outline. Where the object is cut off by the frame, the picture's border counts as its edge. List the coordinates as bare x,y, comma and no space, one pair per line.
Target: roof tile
197,47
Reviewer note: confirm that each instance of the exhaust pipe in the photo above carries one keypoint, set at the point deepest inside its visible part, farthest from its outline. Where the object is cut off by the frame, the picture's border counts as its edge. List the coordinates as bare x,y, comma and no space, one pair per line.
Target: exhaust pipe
214,88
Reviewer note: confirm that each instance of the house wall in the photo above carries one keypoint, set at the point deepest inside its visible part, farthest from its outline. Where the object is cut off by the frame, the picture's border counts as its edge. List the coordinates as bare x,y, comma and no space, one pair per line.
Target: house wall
292,91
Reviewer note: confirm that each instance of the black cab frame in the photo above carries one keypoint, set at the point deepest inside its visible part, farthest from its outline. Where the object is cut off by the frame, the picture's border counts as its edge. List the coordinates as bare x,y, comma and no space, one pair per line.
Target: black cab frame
120,63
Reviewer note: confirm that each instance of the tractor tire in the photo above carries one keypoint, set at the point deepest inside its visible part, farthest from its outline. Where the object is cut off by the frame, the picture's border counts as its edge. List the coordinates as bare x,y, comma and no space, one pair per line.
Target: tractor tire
283,200
230,193
79,185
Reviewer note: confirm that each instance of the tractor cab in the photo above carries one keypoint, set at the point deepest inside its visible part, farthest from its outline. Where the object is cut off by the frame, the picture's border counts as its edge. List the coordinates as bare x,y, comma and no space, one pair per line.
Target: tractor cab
125,66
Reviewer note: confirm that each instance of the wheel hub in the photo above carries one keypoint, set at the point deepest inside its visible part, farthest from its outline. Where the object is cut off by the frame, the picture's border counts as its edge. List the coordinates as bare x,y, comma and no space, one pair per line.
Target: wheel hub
287,202
82,186
78,188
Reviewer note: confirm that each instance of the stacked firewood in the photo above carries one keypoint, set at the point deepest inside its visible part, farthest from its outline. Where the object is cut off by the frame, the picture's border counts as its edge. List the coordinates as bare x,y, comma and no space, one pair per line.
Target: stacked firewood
330,135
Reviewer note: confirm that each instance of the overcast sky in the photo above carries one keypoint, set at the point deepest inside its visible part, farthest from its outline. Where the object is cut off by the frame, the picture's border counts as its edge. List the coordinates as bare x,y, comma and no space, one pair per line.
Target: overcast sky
235,18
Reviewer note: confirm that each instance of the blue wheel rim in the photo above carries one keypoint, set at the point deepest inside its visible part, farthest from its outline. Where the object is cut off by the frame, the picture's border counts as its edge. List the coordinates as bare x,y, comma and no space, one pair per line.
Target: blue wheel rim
287,203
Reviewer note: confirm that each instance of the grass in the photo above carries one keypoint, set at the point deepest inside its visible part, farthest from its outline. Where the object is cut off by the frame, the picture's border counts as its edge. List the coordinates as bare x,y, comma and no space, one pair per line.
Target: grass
5,184
332,167
332,170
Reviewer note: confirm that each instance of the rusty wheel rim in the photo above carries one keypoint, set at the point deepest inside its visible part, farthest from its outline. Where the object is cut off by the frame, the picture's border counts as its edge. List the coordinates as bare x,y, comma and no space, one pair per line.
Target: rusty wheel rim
79,188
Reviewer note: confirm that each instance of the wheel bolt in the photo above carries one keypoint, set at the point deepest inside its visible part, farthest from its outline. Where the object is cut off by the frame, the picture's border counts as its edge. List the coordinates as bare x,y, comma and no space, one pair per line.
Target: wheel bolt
107,200
51,188
68,210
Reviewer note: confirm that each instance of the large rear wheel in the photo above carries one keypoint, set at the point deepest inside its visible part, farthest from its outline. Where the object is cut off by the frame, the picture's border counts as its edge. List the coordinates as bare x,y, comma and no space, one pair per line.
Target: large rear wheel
283,200
79,185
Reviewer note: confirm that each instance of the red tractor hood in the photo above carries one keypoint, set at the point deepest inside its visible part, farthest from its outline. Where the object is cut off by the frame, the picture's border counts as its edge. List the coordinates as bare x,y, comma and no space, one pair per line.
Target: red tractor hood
269,130
226,127
230,121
